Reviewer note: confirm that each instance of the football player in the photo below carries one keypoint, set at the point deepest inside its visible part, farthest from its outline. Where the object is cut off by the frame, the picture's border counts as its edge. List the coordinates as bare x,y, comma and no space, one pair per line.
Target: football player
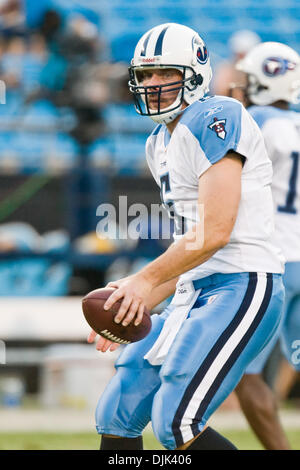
208,158
273,82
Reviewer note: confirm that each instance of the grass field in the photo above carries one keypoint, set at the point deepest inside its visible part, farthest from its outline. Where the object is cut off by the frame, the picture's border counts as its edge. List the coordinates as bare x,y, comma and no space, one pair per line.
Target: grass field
243,439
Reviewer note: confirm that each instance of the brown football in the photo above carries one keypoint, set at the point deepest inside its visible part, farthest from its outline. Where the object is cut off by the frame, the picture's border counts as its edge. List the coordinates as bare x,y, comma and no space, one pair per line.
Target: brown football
102,321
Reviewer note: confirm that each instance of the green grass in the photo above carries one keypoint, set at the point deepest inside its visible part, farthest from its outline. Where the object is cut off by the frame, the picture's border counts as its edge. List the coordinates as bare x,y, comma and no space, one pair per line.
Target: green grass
244,440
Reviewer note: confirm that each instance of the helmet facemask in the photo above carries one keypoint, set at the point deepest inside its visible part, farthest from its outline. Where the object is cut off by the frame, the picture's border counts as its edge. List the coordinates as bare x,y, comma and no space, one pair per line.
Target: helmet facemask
254,88
141,93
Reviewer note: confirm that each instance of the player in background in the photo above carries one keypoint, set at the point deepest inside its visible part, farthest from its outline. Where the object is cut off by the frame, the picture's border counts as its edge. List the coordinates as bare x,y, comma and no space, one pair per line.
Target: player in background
208,158
273,82
226,73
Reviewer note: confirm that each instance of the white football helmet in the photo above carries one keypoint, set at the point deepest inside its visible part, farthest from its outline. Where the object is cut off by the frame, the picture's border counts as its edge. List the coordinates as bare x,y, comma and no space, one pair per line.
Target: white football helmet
273,71
175,46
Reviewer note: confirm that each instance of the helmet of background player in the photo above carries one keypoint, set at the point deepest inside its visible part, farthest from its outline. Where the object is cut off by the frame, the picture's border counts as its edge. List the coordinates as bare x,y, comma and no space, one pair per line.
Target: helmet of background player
172,46
273,71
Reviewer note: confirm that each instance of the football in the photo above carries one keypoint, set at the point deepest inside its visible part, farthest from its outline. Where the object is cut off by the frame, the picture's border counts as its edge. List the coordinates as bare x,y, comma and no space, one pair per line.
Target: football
102,321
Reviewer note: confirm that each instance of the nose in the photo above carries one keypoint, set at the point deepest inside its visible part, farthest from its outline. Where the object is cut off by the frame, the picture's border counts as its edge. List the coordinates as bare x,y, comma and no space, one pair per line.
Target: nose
154,81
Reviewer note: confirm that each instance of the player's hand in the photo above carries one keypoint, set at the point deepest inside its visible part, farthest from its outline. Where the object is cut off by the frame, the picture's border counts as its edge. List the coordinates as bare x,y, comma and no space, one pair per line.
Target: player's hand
134,290
119,282
102,344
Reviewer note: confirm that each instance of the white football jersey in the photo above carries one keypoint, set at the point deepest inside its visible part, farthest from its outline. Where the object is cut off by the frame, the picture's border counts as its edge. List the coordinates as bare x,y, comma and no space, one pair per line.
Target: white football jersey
281,131
207,130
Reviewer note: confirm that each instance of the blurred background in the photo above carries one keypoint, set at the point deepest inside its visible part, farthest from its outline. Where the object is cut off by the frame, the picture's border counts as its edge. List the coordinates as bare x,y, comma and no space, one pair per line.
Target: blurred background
70,140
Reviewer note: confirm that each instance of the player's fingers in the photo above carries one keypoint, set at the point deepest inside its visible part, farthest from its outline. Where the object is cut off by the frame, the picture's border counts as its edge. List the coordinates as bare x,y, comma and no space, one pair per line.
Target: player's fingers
100,343
103,344
114,346
106,346
140,314
124,307
113,298
91,337
131,312
113,284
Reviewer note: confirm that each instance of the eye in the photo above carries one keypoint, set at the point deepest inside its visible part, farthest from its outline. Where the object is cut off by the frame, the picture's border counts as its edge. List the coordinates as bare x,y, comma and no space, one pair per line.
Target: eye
139,76
142,75
169,73
172,75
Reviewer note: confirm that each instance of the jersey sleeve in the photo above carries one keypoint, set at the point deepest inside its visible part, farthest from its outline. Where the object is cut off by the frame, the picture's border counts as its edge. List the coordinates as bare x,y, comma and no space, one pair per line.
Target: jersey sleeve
219,132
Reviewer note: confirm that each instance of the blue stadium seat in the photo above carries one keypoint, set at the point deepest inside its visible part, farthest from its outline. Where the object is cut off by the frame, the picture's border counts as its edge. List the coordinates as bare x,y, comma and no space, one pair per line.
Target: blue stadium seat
43,151
22,234
12,64
5,141
122,45
124,22
13,103
60,152
32,68
124,119
170,13
28,149
34,277
9,156
35,11
56,241
100,153
129,153
88,8
42,115
122,153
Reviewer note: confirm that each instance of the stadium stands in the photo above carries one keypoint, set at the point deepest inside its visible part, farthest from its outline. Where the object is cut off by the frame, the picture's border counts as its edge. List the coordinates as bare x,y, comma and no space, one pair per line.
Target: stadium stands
120,23
59,112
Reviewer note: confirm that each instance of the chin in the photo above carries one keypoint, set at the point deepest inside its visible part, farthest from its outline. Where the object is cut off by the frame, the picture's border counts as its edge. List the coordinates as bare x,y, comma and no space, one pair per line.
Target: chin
163,106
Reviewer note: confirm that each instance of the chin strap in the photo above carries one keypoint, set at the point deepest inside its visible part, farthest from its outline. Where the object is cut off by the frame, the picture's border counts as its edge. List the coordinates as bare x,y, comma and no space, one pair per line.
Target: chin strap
168,117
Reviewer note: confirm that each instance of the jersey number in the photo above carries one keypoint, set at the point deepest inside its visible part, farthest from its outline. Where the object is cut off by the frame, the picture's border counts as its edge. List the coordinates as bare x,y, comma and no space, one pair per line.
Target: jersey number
165,188
292,192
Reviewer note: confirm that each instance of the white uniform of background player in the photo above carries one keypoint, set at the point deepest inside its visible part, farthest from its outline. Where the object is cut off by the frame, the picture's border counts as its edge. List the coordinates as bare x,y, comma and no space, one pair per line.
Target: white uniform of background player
276,67
273,73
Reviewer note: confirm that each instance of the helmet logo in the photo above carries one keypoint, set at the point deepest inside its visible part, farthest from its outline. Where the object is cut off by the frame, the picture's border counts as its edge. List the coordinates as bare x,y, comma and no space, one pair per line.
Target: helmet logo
202,54
218,126
150,60
274,66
